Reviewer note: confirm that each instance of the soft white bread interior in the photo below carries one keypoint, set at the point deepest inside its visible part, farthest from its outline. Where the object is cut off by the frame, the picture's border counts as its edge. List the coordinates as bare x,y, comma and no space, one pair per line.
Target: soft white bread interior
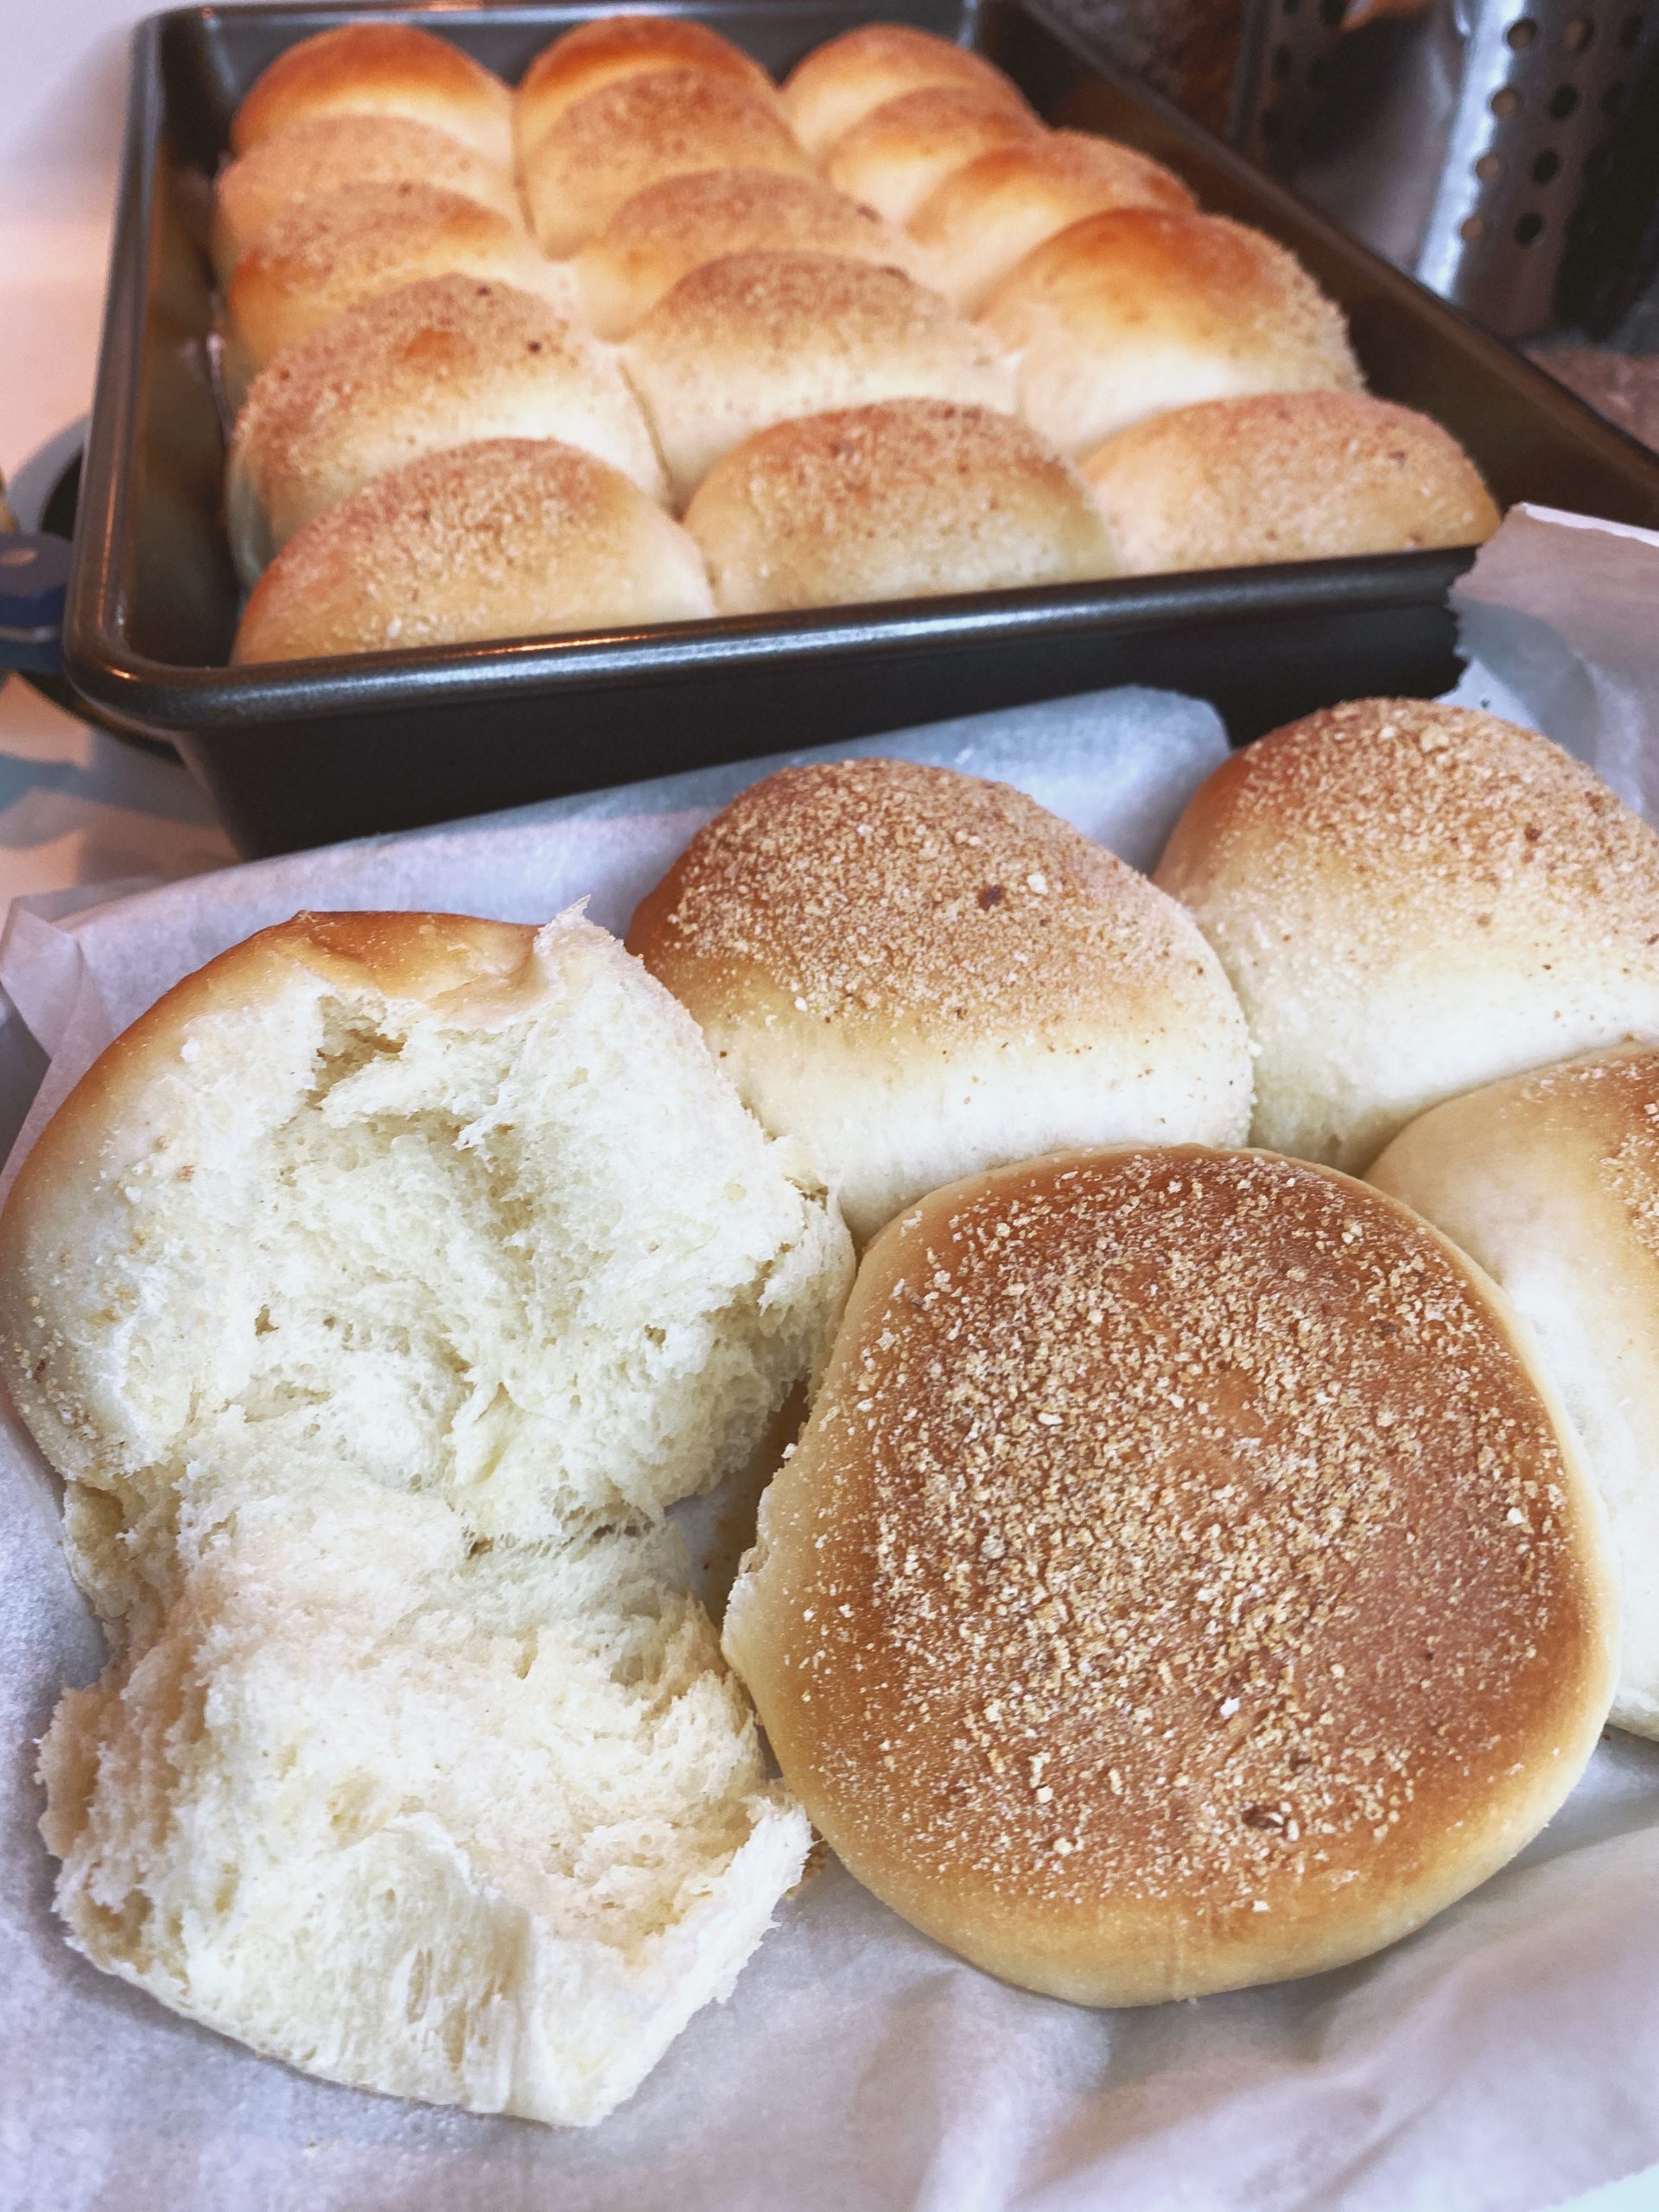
755,339
1285,476
1186,1577
1411,900
667,230
331,152
614,142
594,54
434,365
909,497
478,1824
983,218
323,255
841,81
921,973
380,68
895,157
505,537
443,1204
1551,1182
1127,313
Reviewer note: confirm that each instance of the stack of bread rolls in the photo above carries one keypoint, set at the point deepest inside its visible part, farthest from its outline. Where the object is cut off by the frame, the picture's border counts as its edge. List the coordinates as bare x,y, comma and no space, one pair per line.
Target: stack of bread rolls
872,333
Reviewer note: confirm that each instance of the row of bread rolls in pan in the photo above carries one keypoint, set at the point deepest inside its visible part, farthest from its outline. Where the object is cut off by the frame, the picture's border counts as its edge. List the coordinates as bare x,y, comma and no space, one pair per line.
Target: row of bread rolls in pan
1198,1566
875,333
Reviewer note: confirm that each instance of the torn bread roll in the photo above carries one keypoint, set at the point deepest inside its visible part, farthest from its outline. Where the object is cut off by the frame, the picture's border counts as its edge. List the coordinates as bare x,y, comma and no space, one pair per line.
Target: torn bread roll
667,230
1128,313
920,974
434,365
1551,1182
1186,1579
321,256
509,538
1285,476
840,82
907,499
1411,900
615,141
755,339
380,68
981,221
896,155
594,54
331,152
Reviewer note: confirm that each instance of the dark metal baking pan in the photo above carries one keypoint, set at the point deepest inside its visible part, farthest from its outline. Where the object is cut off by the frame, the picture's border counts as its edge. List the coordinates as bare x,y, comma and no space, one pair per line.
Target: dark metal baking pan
297,753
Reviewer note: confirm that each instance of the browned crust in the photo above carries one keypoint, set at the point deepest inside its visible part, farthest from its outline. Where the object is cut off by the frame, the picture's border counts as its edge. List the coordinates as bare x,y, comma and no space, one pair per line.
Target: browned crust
1186,1580
383,68
929,133
1069,172
594,54
839,82
1286,476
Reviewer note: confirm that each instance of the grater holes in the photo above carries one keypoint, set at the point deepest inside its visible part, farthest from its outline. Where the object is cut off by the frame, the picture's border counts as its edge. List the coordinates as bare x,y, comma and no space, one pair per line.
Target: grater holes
1283,60
1472,228
1529,229
1579,33
1332,11
1505,101
1545,166
1490,168
1562,101
1630,32
1273,126
1521,34
1613,99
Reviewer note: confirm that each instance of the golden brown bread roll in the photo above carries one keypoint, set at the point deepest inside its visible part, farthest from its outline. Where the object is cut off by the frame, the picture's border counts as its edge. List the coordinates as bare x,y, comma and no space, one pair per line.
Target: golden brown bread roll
331,152
895,157
378,68
433,364
1285,476
1127,313
320,256
906,498
839,82
1551,1182
614,142
594,54
981,220
511,537
672,228
1411,900
1186,1579
755,339
919,974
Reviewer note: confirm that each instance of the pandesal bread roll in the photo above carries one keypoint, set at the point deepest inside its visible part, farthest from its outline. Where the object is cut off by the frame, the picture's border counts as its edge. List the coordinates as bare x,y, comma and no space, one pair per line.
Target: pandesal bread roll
981,221
1126,314
323,256
1551,1182
1186,1579
1285,476
432,365
481,1824
920,974
895,157
755,339
841,81
1412,899
509,538
380,68
594,54
331,152
434,1205
615,141
672,228
907,499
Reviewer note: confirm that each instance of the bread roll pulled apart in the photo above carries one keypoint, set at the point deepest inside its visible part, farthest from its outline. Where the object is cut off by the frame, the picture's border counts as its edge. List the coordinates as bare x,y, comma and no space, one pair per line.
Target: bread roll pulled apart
920,974
1551,1182
594,54
442,363
841,82
1132,312
1186,1579
1285,476
908,499
504,537
380,69
1412,899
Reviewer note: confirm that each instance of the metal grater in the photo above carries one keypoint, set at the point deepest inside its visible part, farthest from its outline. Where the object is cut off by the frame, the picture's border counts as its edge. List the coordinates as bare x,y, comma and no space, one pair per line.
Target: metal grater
1286,48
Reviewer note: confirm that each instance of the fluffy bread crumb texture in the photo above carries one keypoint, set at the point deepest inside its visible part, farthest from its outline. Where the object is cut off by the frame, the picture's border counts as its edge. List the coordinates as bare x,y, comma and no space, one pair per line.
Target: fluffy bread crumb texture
376,1294
979,258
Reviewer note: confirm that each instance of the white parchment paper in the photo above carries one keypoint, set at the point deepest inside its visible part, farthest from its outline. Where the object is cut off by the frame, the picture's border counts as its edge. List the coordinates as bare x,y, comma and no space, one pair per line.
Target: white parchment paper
1505,2057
